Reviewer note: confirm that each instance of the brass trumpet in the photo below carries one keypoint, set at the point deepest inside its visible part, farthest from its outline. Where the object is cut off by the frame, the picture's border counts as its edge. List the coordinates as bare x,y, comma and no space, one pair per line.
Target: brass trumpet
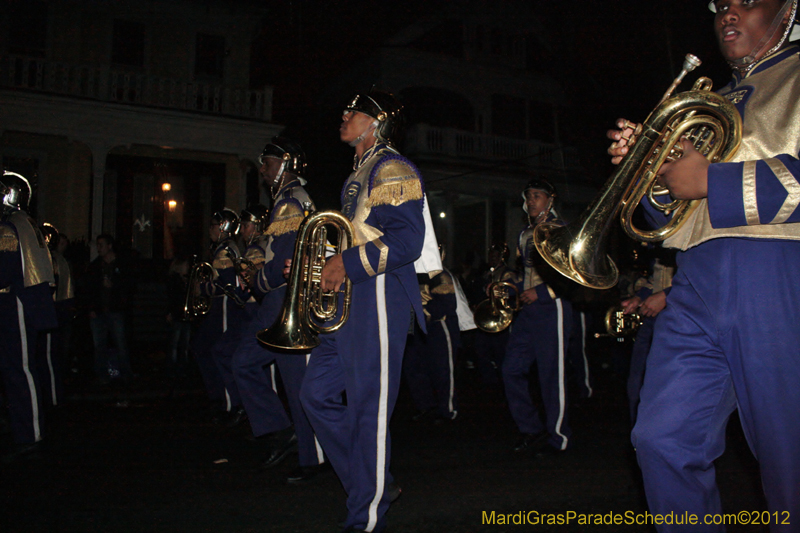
496,313
713,125
305,303
620,325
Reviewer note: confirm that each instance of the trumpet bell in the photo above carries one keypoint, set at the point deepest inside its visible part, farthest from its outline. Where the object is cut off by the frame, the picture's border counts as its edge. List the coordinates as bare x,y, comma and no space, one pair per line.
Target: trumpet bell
491,318
564,251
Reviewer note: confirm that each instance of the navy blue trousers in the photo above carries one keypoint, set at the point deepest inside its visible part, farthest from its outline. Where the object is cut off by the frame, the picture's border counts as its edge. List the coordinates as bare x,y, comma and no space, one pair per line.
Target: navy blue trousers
539,336
364,360
429,366
251,370
19,371
728,338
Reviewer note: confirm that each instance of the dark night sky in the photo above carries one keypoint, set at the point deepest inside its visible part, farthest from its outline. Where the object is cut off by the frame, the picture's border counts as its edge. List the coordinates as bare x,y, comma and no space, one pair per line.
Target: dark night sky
614,58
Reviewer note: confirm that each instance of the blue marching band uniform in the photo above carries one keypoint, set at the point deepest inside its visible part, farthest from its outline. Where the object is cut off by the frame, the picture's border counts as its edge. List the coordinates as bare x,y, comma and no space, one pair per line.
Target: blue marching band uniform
539,335
52,349
729,336
383,198
429,362
210,343
250,360
26,310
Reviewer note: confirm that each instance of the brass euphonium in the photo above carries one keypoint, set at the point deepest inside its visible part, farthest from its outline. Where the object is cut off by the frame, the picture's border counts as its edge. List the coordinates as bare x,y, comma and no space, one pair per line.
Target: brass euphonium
305,304
496,313
710,121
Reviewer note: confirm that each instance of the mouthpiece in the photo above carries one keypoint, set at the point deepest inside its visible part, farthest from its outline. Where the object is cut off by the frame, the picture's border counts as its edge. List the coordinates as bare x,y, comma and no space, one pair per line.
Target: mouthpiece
690,63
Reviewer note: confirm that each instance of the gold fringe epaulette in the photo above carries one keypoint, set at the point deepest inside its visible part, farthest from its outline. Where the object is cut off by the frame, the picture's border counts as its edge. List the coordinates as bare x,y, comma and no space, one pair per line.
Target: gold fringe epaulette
222,263
394,181
8,239
287,217
446,285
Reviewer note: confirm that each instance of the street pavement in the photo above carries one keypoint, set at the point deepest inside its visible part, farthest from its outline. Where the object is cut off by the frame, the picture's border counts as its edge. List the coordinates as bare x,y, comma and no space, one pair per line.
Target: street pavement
148,458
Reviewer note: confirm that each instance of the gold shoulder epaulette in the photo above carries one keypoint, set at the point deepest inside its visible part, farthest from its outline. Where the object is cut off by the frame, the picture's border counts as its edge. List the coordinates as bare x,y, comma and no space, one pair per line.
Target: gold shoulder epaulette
8,239
286,217
445,285
394,180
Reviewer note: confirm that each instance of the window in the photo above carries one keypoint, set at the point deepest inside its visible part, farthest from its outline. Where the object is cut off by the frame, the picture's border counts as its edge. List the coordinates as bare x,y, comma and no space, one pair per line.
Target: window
27,28
541,118
209,57
127,48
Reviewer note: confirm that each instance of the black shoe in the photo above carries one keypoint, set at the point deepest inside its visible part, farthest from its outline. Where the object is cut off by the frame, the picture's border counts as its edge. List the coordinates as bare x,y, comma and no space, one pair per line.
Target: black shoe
236,418
304,474
531,442
548,451
280,451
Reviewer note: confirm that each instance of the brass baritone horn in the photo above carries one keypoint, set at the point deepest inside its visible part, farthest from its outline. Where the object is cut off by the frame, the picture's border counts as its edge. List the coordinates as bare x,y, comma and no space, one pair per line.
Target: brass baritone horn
495,314
710,121
305,304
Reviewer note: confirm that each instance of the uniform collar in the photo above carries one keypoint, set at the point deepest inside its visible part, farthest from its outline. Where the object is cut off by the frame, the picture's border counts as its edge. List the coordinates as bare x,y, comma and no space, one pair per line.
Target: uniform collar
767,62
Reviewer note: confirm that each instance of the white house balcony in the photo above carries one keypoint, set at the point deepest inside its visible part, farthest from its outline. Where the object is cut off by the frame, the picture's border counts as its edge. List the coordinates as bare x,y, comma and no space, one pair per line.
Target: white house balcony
425,141
106,84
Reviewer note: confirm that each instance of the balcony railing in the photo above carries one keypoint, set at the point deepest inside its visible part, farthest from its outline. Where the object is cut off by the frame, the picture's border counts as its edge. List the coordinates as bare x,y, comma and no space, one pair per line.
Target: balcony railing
422,139
110,85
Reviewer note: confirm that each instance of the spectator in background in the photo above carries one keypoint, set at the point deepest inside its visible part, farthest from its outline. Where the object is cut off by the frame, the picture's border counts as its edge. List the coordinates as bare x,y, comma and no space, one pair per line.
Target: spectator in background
107,291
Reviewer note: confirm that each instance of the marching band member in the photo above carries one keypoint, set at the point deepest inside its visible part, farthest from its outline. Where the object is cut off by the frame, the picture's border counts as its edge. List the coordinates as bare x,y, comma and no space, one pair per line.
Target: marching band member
429,361
728,337
283,167
538,335
226,293
252,222
384,199
26,308
490,348
51,346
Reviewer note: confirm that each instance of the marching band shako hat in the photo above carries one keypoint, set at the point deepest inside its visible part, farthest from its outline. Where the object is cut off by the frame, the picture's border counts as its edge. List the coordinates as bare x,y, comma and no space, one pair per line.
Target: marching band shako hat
50,234
384,108
540,184
16,191
257,214
294,159
228,220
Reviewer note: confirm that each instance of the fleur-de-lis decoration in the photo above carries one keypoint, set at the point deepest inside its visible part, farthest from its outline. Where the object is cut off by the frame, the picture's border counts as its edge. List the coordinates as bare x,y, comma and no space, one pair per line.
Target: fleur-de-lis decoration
142,222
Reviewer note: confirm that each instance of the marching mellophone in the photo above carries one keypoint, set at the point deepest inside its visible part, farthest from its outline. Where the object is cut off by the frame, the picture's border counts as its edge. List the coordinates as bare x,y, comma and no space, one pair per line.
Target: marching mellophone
710,122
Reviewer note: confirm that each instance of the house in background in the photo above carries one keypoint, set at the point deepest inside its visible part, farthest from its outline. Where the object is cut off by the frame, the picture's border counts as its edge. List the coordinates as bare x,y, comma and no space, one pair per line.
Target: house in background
133,118
483,119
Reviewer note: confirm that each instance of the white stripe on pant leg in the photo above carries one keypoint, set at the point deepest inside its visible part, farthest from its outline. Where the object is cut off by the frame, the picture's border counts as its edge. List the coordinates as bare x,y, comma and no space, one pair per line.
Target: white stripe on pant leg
50,368
383,405
562,397
452,391
585,359
320,453
272,377
37,433
224,313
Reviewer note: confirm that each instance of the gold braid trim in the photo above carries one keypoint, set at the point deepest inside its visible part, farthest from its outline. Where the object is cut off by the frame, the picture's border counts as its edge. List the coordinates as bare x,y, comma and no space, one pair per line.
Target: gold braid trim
8,240
395,182
288,217
445,286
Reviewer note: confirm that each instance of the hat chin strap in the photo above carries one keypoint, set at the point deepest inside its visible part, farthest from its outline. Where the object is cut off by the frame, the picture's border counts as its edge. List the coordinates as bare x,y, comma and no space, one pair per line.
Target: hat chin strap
358,140
744,64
